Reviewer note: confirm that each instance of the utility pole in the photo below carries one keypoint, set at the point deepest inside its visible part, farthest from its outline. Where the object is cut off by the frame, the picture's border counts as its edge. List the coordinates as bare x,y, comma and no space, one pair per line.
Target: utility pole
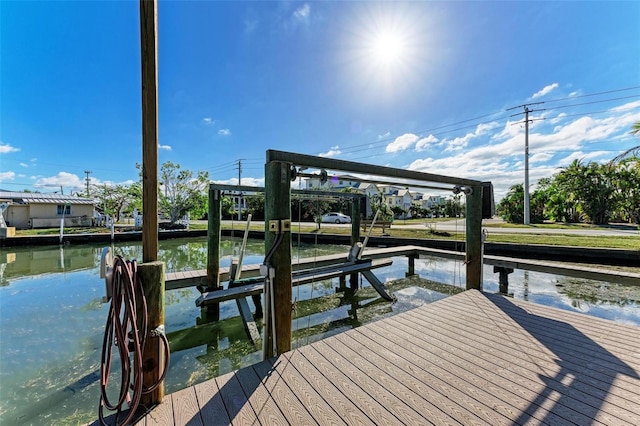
527,212
239,184
88,180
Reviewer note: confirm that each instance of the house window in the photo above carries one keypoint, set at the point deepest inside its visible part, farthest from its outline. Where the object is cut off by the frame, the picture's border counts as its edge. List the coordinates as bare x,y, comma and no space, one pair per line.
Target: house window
66,208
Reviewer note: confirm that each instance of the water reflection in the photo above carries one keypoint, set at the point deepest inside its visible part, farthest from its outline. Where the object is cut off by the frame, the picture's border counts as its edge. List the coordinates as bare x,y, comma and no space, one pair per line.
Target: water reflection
51,318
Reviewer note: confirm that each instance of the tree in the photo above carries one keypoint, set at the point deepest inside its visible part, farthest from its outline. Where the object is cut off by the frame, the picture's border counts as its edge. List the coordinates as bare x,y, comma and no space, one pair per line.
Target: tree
180,191
378,203
511,207
113,199
591,188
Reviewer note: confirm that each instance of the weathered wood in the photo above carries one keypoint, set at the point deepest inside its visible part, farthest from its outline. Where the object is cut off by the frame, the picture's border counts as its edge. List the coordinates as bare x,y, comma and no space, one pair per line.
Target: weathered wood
474,238
213,239
149,62
299,278
367,169
153,357
247,320
278,210
378,285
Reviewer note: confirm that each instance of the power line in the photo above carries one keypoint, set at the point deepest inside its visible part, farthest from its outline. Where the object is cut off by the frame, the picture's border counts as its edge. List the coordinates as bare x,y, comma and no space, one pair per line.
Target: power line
593,94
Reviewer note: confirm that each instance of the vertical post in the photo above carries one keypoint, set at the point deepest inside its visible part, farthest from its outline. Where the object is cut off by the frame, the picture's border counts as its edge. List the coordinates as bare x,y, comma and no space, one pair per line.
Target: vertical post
527,211
278,208
214,220
153,358
355,235
474,238
151,271
148,43
411,267
355,220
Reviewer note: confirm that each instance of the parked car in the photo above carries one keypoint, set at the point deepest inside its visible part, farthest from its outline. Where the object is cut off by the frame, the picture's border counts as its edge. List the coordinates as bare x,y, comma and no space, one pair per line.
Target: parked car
335,217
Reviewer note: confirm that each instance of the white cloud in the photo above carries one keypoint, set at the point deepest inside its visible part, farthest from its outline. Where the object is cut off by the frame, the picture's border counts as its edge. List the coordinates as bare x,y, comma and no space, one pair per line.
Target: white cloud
540,157
424,143
302,13
402,143
64,179
165,147
386,135
583,156
24,165
224,132
208,121
335,150
7,176
248,181
545,90
5,148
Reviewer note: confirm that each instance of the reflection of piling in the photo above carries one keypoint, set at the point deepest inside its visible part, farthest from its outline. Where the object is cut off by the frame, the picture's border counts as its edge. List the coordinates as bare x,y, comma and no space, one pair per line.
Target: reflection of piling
503,279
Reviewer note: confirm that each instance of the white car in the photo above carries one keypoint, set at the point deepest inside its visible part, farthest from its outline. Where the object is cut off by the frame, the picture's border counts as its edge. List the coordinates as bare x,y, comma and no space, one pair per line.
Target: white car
334,217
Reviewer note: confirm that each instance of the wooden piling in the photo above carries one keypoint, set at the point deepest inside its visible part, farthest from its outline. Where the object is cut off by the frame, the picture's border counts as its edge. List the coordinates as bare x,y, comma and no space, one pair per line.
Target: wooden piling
149,47
278,214
474,238
213,239
214,233
355,235
152,277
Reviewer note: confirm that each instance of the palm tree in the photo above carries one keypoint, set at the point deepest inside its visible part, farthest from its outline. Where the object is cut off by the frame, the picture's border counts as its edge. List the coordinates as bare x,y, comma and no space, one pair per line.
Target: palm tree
634,152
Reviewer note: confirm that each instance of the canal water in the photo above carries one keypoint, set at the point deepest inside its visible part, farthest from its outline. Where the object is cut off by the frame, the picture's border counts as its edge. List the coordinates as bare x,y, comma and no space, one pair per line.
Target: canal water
52,319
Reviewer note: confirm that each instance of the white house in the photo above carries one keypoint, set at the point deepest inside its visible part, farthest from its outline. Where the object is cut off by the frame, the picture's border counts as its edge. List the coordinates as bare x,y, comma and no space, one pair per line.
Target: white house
27,210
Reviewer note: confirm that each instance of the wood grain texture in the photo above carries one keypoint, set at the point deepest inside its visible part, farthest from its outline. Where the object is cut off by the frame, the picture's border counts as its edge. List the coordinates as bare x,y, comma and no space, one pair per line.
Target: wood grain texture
212,409
471,359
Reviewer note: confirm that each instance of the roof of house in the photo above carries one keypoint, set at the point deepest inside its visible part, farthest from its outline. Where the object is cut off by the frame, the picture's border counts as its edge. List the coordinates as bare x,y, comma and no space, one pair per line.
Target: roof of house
38,198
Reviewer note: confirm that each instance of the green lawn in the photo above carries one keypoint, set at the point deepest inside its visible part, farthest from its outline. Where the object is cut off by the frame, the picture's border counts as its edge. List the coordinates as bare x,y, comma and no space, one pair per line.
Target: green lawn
629,243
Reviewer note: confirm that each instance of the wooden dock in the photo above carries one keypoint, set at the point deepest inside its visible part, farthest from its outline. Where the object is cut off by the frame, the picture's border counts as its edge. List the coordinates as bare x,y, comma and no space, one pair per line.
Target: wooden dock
473,358
176,280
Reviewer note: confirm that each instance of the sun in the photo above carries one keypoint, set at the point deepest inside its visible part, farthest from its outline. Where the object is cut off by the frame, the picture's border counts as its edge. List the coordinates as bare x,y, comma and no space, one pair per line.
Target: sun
388,48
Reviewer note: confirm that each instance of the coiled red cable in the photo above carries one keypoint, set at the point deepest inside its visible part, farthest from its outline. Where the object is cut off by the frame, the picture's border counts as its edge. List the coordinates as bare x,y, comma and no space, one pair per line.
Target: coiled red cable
126,329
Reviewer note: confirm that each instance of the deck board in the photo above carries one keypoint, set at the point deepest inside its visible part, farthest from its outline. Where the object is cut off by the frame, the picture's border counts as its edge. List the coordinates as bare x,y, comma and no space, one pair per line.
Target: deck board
473,358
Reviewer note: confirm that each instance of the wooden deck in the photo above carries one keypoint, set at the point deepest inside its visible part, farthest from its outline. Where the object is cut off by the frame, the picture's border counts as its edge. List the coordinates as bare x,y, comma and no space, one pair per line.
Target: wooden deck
473,358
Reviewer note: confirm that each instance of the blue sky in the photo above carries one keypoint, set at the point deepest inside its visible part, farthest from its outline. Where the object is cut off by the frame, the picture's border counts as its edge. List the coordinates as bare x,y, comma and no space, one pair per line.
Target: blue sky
420,85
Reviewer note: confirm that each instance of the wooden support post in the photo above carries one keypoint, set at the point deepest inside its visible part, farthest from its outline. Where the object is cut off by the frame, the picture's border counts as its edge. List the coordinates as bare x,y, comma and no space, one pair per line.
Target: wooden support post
153,358
278,209
474,238
503,279
411,270
214,220
149,59
355,235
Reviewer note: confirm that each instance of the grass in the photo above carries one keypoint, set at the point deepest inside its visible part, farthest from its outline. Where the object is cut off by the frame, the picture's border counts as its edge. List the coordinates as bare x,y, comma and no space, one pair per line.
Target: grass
618,242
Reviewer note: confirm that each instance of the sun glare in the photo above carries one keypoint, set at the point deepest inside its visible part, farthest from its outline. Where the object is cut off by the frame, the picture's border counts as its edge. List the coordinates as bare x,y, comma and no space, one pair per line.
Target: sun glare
388,48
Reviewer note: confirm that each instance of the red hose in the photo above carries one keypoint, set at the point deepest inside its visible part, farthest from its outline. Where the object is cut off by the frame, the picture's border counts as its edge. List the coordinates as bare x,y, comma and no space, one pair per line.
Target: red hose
126,329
